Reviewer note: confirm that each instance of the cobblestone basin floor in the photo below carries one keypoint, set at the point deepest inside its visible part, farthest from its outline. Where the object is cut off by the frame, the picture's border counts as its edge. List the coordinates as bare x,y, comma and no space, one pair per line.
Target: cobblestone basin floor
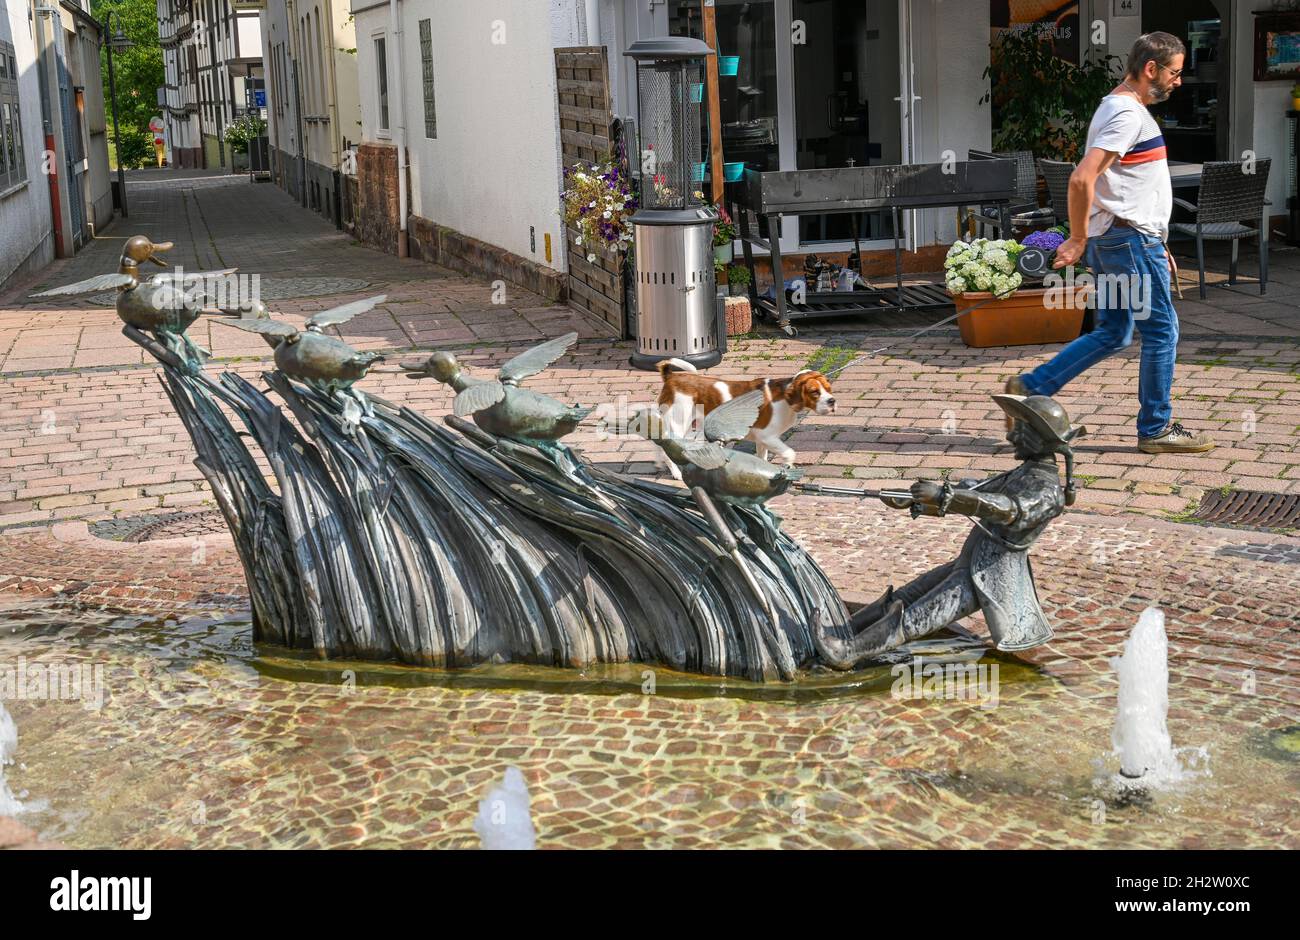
205,741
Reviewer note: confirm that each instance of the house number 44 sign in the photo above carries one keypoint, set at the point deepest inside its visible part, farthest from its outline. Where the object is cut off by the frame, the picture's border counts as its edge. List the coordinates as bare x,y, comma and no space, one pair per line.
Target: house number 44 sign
1126,7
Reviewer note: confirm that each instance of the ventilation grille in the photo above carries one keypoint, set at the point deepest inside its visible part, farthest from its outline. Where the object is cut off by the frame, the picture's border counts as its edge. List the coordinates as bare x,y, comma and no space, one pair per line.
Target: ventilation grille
1250,508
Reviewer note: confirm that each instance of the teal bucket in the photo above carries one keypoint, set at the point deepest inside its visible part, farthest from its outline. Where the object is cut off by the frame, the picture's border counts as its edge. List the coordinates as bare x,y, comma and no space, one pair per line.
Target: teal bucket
697,172
697,93
728,64
733,172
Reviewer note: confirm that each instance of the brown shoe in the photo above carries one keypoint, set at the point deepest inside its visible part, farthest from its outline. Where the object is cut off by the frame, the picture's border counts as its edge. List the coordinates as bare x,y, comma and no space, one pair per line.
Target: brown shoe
1176,439
1015,386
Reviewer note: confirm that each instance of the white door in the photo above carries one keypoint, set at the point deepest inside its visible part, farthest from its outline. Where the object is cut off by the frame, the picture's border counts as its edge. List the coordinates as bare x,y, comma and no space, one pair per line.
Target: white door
849,103
909,103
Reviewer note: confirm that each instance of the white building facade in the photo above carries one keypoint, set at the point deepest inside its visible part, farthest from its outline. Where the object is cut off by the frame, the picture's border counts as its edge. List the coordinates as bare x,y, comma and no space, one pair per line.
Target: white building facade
314,112
212,62
459,97
54,185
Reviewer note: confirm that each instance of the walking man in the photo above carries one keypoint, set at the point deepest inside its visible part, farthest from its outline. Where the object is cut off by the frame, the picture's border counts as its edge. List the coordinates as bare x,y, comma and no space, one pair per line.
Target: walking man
1120,203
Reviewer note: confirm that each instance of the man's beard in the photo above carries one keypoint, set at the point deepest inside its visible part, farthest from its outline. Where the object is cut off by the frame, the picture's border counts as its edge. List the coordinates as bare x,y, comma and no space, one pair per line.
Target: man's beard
1160,93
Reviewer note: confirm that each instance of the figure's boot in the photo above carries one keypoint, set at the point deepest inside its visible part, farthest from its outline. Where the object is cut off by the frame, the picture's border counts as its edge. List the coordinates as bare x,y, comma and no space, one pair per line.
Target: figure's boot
881,636
864,617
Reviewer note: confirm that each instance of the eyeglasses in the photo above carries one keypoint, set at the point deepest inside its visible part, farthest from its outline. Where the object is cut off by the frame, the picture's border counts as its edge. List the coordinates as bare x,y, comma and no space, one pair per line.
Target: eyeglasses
1178,73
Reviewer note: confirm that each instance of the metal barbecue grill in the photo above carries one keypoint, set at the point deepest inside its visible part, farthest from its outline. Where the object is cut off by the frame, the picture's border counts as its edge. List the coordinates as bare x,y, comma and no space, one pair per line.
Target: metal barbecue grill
855,190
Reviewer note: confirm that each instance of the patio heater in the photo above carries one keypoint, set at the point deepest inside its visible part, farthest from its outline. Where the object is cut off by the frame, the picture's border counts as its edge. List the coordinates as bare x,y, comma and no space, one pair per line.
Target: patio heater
677,308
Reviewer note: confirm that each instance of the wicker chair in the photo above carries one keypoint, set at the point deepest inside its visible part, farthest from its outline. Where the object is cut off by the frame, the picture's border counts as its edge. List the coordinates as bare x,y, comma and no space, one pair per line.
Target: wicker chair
1025,211
1057,173
1228,195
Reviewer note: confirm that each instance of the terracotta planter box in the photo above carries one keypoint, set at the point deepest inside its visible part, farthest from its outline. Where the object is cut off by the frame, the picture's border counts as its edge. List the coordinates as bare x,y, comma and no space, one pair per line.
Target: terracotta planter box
1019,320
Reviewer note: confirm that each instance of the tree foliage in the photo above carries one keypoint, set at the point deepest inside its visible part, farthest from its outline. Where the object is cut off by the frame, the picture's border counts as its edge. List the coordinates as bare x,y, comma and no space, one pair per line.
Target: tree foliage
138,70
1043,103
135,147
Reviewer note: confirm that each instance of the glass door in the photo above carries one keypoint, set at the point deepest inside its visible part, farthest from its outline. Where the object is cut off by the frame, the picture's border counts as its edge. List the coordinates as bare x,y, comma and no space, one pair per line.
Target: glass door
814,84
847,88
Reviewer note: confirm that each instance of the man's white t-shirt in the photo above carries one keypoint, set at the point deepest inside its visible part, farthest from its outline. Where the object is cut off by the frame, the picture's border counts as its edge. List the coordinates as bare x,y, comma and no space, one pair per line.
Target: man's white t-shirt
1136,188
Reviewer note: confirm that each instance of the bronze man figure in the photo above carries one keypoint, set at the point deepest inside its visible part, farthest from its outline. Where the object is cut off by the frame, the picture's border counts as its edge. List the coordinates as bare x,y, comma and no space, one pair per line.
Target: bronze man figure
992,574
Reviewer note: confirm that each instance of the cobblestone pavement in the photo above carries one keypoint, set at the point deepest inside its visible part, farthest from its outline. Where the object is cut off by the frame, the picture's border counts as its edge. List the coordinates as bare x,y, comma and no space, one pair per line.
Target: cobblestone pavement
203,740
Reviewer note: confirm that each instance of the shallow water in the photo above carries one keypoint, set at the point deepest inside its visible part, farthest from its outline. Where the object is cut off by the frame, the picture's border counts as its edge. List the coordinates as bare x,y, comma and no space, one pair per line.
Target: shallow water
203,740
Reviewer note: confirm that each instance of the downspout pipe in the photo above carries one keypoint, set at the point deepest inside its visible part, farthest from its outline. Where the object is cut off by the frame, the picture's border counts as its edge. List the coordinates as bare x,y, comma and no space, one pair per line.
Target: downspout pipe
592,11
395,29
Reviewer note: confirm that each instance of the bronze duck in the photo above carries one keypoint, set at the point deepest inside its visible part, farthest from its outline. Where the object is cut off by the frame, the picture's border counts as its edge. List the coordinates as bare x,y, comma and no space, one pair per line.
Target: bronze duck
729,476
501,407
326,364
165,304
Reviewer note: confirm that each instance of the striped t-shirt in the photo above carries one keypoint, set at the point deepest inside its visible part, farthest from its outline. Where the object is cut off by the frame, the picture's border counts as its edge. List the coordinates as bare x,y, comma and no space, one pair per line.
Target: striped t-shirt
1136,187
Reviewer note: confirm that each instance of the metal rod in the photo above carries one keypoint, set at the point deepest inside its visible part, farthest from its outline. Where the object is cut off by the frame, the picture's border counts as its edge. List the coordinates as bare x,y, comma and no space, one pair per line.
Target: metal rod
822,489
112,93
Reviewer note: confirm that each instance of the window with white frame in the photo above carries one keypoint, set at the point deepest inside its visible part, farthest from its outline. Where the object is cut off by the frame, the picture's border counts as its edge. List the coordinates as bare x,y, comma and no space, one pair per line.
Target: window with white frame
13,164
381,77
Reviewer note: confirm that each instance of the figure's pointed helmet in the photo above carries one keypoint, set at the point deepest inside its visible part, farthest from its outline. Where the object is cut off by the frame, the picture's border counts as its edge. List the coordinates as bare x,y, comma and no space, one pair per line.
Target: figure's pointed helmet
1050,421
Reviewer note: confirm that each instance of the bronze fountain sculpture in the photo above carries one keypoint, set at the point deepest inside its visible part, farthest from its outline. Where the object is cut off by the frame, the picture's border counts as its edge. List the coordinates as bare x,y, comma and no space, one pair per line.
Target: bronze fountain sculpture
993,573
383,534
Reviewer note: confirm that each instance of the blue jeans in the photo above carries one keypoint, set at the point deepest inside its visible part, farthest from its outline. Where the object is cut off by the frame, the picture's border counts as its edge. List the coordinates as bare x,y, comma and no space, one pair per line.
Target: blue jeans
1123,253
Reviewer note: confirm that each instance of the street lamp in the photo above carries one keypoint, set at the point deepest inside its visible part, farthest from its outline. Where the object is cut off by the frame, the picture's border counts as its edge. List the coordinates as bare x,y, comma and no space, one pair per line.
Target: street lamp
117,41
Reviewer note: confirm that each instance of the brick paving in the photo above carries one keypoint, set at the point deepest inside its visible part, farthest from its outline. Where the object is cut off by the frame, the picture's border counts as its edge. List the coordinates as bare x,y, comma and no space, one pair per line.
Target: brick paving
86,431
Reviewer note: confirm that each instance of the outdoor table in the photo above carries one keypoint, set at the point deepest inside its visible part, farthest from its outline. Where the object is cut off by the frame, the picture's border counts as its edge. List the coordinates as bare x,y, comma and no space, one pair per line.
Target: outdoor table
897,189
1184,175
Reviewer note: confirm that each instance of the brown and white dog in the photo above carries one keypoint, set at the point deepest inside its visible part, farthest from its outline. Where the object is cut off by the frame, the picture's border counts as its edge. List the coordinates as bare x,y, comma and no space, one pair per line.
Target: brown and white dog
688,395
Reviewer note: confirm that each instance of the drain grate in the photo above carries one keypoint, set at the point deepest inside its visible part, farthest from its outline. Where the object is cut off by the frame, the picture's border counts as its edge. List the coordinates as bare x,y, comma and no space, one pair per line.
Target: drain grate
1250,508
150,526
181,524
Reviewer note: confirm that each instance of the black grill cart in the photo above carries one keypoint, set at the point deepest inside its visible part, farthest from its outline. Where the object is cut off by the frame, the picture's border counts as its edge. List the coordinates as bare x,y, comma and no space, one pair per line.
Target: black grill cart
773,195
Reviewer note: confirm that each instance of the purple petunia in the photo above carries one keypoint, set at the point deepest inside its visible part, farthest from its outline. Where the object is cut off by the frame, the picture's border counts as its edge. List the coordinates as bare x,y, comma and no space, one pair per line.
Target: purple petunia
1047,241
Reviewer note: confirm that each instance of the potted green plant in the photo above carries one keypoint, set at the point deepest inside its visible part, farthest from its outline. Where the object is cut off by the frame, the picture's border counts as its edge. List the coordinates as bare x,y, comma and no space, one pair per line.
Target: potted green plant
1041,102
239,133
738,279
982,278
724,233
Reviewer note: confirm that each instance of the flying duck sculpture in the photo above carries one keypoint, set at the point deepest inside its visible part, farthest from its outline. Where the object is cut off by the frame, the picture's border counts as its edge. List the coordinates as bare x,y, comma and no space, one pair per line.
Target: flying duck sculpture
717,474
326,364
729,476
501,407
165,304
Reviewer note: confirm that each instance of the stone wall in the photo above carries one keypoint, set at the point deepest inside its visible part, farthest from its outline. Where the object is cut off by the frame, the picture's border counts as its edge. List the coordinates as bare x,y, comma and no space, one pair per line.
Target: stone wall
439,244
376,216
187,158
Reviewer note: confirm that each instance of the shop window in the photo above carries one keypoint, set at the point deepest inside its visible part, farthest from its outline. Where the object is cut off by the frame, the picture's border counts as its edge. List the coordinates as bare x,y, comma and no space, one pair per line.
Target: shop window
13,165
